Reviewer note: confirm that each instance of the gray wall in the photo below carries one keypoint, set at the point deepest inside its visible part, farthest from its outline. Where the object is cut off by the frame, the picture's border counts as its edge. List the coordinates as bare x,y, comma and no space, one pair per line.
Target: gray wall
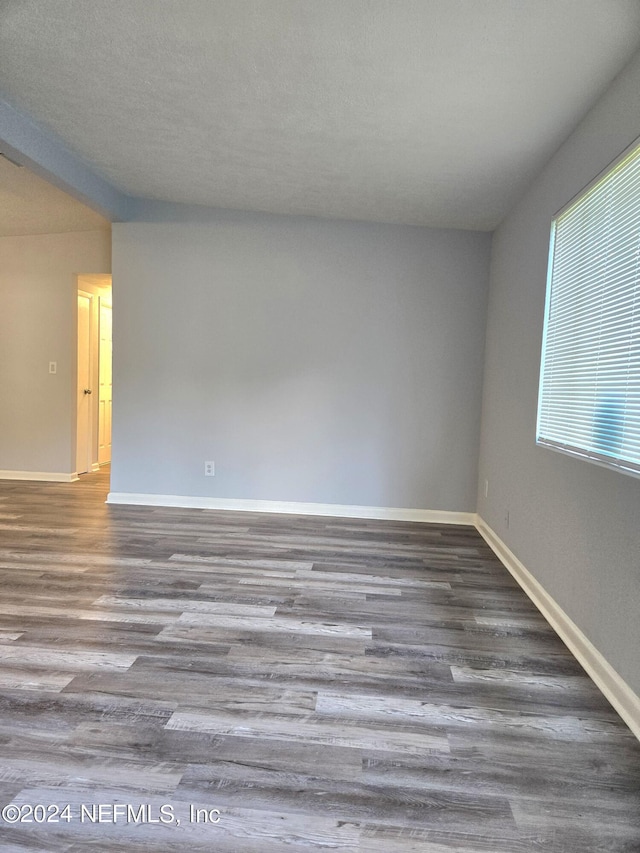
574,525
329,362
38,308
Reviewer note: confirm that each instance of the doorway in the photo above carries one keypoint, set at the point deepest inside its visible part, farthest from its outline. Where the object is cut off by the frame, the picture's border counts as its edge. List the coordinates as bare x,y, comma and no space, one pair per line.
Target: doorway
94,373
83,385
105,379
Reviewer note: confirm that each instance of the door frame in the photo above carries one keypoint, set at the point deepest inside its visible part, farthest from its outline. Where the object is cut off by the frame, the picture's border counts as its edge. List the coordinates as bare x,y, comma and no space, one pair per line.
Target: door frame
106,302
90,370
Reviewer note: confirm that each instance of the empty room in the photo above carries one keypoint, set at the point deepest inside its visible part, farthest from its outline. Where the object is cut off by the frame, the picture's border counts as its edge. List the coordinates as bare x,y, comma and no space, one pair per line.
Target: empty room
320,426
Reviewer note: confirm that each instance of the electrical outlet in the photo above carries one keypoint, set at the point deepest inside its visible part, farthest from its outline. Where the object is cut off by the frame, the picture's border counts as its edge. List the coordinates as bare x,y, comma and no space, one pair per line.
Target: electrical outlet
486,488
506,519
209,469
53,367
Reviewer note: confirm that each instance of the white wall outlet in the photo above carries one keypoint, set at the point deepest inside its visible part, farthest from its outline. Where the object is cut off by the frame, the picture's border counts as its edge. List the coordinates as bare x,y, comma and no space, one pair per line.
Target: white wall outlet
209,469
486,488
506,519
53,367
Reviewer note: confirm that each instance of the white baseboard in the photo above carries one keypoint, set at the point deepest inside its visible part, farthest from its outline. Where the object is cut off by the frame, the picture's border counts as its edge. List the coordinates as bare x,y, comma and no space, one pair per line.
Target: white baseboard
95,466
295,508
622,697
43,476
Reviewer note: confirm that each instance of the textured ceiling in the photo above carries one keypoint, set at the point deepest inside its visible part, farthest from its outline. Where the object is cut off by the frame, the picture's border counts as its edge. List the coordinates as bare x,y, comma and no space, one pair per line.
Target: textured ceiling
432,112
29,205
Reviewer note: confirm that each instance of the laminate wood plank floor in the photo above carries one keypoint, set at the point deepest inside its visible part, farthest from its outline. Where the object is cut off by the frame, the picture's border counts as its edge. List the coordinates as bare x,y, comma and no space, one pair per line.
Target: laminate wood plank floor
177,680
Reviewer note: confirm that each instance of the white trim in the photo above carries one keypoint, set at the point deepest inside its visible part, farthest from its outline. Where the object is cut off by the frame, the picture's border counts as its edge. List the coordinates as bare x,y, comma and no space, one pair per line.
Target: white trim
95,466
612,464
617,691
46,476
294,507
86,294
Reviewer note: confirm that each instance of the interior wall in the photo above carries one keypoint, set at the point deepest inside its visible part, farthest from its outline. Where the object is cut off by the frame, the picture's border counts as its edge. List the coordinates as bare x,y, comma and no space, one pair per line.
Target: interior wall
315,361
37,325
573,524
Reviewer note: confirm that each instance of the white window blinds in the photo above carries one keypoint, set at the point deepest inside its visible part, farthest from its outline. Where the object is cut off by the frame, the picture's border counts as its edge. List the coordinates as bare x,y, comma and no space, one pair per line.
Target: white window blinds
589,401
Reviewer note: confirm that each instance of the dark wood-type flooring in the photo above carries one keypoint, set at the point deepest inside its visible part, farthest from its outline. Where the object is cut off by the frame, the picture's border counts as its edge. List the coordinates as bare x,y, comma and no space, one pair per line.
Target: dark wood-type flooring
324,684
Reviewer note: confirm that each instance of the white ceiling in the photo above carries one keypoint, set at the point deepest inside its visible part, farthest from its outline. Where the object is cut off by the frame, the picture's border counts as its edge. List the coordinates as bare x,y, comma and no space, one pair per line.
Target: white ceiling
29,205
431,112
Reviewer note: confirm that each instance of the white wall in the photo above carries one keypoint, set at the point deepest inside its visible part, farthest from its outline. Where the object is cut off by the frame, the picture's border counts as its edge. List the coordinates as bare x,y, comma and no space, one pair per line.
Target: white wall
314,361
574,525
38,325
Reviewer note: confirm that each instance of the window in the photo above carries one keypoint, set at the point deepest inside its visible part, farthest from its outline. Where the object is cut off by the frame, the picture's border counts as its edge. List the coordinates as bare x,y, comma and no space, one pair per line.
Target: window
589,400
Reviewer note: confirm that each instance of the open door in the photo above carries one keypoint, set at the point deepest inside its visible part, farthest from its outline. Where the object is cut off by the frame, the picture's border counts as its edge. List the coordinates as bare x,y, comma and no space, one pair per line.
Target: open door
106,383
84,389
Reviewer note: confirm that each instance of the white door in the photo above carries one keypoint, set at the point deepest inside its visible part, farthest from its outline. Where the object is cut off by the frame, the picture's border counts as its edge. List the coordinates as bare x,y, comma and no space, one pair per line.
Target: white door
104,421
83,437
